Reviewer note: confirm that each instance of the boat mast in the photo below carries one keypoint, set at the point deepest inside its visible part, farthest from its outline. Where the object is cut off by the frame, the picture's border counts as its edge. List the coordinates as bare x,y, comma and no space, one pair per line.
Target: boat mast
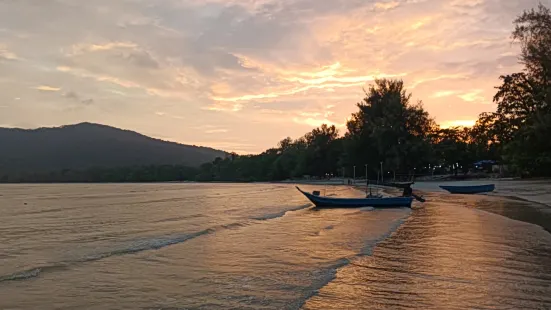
366,180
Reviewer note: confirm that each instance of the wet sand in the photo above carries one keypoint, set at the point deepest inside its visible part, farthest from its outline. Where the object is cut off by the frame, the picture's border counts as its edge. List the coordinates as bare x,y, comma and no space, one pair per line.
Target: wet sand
528,201
530,190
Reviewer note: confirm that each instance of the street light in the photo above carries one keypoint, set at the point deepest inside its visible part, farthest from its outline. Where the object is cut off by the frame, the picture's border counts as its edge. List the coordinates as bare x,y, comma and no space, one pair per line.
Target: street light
382,174
366,180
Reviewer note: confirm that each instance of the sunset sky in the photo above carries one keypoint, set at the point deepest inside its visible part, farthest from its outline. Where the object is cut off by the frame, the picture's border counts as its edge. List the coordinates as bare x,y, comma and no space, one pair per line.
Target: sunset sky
240,75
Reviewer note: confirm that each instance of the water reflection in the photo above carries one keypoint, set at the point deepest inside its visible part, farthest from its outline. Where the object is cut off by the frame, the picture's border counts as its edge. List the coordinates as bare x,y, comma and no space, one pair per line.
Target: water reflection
447,256
174,246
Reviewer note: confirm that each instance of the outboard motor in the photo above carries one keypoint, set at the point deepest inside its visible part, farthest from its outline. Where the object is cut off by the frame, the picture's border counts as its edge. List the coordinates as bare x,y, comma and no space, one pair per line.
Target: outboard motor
316,193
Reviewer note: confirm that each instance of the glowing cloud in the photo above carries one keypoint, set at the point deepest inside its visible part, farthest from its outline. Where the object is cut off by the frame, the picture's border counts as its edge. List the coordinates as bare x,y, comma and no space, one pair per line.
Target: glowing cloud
4,53
213,131
47,88
329,78
472,96
386,5
458,123
443,93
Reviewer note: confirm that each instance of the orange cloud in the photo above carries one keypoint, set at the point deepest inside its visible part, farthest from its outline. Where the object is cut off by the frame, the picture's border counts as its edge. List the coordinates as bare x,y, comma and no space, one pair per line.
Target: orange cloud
472,96
81,48
458,123
328,78
6,54
47,88
443,93
386,5
316,122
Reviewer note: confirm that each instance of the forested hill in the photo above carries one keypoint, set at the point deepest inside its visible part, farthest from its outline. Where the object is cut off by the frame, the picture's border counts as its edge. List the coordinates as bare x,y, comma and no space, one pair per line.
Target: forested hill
87,145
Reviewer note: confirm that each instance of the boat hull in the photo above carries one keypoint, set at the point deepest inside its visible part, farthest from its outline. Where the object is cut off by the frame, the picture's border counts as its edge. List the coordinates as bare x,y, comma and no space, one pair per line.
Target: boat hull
472,189
331,202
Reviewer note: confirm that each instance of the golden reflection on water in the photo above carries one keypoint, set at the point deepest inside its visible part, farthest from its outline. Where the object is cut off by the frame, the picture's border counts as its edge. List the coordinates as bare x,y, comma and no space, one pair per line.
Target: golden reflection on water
447,256
191,246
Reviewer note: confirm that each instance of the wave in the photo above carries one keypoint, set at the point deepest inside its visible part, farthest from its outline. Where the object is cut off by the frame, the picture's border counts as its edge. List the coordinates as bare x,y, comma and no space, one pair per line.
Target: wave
147,245
327,275
138,246
367,250
30,273
159,243
280,214
179,218
133,248
331,271
22,275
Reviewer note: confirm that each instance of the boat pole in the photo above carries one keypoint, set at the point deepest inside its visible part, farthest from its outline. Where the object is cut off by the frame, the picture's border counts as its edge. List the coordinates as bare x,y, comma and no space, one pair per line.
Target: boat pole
366,180
382,174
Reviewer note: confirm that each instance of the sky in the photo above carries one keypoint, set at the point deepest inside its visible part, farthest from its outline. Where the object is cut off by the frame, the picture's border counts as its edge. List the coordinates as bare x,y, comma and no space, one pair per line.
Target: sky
240,75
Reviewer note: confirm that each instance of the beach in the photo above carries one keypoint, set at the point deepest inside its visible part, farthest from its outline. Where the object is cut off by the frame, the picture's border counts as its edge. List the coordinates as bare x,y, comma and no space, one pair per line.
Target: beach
263,246
533,198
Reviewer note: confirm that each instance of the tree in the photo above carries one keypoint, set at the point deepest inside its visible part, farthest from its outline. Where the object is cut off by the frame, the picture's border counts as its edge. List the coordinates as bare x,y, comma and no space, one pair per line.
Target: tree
452,148
533,32
389,129
321,153
521,122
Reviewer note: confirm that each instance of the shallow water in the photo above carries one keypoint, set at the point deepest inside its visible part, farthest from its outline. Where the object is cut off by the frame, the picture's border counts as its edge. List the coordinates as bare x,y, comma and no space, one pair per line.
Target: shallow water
261,246
451,255
175,245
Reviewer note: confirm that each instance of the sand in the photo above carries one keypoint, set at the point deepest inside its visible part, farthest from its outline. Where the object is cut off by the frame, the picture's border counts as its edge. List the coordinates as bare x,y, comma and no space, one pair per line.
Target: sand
535,191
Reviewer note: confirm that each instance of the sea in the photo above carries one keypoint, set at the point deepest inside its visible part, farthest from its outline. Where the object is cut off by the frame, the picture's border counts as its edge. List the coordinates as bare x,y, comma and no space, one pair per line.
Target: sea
264,246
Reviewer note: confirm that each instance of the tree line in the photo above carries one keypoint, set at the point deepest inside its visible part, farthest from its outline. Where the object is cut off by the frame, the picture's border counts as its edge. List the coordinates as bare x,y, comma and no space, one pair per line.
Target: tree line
389,129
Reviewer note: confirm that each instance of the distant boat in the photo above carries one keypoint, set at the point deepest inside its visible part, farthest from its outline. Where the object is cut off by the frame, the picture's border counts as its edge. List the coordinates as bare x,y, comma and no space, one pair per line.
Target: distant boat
469,189
330,202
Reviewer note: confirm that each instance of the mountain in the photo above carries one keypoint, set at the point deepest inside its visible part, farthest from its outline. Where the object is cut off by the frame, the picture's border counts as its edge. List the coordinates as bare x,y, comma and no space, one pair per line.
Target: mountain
88,145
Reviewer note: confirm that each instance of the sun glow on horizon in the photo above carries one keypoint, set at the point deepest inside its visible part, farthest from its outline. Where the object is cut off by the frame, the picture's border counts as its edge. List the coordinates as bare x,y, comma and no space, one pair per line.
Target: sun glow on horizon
458,123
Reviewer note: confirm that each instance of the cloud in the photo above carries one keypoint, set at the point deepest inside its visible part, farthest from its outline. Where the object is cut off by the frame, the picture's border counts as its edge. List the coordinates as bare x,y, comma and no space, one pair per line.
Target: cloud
458,123
46,88
212,131
274,67
386,5
71,95
77,98
473,96
443,93
7,55
317,122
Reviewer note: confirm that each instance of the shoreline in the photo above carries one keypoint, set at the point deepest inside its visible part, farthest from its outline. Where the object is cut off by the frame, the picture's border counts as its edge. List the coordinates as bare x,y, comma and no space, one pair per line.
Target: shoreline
534,209
529,190
535,191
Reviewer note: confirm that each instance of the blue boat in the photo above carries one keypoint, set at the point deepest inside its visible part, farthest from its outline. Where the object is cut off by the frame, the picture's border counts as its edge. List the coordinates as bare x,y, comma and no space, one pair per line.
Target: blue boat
469,189
331,202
